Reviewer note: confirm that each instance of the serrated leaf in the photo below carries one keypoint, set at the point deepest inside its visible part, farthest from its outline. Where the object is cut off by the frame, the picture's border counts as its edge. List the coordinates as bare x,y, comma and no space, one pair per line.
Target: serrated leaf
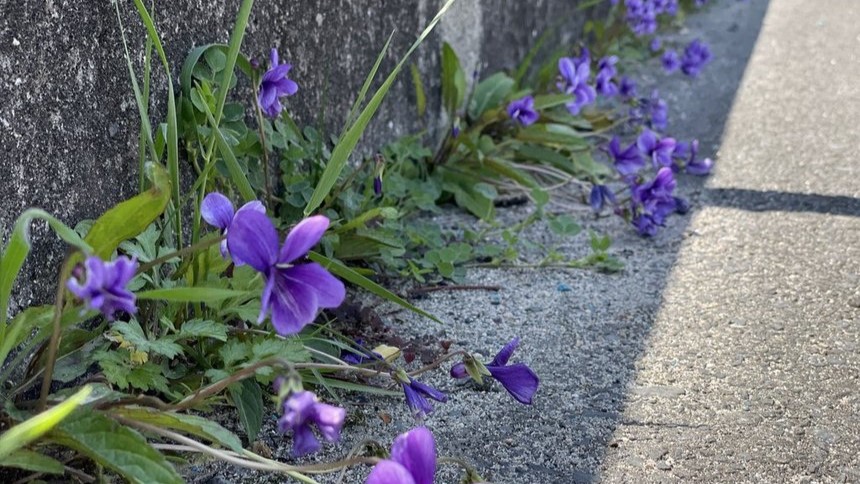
248,399
234,352
117,447
198,328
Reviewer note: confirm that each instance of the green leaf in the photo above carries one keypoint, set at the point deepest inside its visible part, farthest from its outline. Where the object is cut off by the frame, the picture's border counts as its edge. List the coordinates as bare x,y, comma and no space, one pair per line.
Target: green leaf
420,95
565,225
347,143
350,275
453,81
192,424
197,53
34,427
236,172
32,461
198,328
248,399
115,446
489,93
290,349
547,101
191,294
128,219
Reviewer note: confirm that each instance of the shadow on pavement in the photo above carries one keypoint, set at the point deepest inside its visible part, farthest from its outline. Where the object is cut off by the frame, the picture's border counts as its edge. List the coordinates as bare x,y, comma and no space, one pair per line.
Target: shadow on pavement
774,201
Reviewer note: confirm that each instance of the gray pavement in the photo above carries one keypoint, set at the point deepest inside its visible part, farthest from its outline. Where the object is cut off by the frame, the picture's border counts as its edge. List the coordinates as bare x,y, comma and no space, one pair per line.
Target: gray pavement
729,349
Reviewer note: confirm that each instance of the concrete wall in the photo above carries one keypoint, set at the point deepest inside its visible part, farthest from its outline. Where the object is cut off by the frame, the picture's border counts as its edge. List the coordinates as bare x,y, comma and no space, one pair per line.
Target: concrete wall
68,122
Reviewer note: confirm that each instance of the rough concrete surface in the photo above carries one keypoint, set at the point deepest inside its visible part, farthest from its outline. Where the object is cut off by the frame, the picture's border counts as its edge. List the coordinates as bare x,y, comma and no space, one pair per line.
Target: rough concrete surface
69,123
727,351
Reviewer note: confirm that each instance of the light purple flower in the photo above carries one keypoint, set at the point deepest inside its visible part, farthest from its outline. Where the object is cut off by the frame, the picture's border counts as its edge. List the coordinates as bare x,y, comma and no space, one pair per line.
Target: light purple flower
628,161
518,379
641,17
606,72
105,286
574,81
659,112
217,210
413,460
671,61
523,111
302,410
696,56
294,292
416,392
275,85
655,44
658,149
698,167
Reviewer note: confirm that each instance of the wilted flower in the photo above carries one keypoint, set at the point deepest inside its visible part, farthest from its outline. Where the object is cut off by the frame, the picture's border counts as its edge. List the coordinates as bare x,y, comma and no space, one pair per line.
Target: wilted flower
105,287
627,161
275,85
671,61
523,111
218,211
574,81
413,460
659,150
600,195
696,56
294,292
302,410
415,392
518,379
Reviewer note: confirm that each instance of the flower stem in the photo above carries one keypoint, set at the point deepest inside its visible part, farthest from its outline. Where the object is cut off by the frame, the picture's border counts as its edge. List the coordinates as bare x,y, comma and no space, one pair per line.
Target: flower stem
263,149
65,273
180,253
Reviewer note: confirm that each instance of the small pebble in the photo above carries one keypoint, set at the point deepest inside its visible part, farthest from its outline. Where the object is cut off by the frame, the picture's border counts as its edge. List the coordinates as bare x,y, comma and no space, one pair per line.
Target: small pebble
562,287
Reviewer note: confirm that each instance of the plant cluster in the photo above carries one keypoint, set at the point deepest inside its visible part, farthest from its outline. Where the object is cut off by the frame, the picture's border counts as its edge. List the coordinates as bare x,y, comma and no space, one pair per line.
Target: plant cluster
161,307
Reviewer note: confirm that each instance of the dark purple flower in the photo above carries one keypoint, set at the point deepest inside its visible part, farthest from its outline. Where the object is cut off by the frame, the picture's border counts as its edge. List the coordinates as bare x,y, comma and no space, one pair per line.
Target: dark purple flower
523,111
653,202
275,85
294,292
105,287
518,379
606,72
601,195
682,206
359,356
413,460
657,149
696,56
377,186
455,131
415,392
671,61
218,211
302,410
628,161
574,81
698,167
627,87
641,17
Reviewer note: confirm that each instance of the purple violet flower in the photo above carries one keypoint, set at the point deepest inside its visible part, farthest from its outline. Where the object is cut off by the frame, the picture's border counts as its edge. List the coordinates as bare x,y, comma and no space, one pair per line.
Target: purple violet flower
655,44
301,411
413,460
659,111
105,287
652,202
523,111
601,195
628,161
627,87
659,150
294,292
606,72
360,355
518,379
641,17
698,167
415,392
218,211
696,56
275,85
671,61
574,81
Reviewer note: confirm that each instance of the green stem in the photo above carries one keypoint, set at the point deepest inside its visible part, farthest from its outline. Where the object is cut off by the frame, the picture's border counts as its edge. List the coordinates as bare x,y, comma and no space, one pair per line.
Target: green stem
180,253
263,147
65,274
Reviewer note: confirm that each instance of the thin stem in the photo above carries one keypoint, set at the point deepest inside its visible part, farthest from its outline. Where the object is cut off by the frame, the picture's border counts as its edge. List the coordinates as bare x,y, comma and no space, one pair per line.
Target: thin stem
65,273
437,363
425,290
180,253
263,147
